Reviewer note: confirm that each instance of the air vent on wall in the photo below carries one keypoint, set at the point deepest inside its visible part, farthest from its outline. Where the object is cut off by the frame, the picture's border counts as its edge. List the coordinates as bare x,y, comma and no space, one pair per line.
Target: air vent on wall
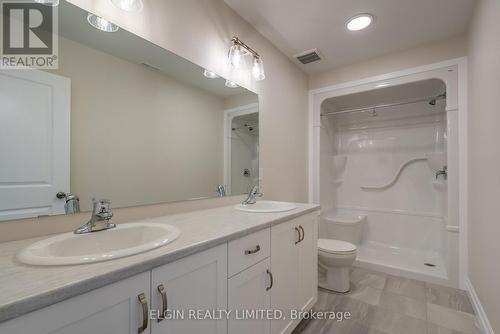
309,56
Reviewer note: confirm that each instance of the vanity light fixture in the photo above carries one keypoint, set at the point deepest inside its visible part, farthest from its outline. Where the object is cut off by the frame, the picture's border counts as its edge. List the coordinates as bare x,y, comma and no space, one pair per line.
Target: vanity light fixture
133,6
210,74
239,50
101,24
52,3
359,22
231,84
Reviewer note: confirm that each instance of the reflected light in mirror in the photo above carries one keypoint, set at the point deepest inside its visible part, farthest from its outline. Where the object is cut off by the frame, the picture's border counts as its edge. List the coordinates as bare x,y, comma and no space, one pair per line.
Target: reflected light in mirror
210,74
231,84
101,24
129,5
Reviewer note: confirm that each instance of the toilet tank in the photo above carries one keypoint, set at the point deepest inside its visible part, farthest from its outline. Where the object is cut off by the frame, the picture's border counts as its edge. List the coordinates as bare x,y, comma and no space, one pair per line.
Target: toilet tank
344,227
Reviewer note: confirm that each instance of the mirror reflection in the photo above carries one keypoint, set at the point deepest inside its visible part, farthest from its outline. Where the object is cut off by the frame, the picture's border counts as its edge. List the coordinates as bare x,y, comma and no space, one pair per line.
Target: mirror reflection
123,119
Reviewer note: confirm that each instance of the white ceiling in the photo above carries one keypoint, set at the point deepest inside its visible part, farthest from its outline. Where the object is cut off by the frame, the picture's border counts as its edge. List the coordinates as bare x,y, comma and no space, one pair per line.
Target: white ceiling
295,26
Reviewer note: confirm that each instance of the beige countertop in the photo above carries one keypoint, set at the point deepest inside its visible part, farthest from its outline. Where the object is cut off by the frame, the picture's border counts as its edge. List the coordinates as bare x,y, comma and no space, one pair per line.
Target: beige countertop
26,288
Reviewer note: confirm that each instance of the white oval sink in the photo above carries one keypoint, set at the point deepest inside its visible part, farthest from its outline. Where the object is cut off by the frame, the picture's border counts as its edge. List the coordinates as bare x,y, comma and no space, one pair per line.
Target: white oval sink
123,240
266,206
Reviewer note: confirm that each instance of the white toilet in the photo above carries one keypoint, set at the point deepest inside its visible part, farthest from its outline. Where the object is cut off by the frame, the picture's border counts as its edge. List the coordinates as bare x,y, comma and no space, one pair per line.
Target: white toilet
337,250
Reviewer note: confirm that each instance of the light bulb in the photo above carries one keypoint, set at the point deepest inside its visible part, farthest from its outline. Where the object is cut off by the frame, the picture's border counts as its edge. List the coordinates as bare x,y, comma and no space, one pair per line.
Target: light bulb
235,55
258,69
359,22
48,2
231,84
210,74
101,24
129,5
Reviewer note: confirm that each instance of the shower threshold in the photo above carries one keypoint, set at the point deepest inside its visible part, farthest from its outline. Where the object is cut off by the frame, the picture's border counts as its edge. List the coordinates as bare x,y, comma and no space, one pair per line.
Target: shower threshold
412,263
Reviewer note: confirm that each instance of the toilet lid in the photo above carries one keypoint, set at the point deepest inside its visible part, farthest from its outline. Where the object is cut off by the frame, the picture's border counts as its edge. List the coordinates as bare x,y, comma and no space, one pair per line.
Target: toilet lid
335,246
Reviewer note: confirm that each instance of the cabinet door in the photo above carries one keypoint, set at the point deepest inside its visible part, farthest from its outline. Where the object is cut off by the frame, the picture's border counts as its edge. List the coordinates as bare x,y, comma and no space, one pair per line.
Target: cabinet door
284,266
308,262
249,290
197,282
108,310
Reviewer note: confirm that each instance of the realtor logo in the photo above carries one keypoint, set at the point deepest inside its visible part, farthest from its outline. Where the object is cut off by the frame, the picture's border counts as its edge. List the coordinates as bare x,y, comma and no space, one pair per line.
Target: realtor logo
29,35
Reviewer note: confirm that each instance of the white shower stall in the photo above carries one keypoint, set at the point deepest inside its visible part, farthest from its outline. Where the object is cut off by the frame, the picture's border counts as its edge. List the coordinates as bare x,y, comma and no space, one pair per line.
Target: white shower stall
383,153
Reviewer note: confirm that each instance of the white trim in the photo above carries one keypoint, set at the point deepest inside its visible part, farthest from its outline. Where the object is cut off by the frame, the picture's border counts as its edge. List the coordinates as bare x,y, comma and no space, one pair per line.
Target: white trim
229,114
453,228
457,100
483,322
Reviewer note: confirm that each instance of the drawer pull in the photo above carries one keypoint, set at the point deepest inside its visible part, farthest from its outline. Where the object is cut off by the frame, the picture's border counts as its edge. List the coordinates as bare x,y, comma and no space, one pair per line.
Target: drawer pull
271,279
300,235
145,315
303,233
164,302
253,251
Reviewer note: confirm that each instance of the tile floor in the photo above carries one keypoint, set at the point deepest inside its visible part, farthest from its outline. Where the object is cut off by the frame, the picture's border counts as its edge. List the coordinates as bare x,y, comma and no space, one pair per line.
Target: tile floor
384,304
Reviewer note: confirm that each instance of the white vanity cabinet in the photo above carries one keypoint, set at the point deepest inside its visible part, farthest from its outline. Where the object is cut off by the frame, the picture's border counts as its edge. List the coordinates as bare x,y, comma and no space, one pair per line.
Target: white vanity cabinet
111,309
197,282
294,267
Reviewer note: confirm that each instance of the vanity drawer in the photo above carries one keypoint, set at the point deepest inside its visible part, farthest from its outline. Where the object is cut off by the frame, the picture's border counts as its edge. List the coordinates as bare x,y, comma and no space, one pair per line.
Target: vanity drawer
247,251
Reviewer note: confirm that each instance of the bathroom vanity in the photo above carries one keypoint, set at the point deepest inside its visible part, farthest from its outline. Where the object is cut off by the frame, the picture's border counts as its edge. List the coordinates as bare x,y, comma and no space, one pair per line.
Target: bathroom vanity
224,259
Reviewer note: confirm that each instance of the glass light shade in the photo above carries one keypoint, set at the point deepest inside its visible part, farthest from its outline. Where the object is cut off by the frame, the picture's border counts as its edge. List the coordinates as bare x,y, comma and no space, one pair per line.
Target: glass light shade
48,2
210,74
258,69
129,5
231,84
101,24
359,22
236,54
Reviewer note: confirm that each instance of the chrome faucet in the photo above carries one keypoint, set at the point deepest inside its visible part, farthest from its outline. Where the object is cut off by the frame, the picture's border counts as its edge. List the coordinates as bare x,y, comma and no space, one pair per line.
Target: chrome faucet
101,214
443,172
252,196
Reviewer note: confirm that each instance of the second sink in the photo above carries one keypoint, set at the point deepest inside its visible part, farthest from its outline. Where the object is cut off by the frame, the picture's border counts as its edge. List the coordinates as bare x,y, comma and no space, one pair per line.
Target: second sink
124,240
266,206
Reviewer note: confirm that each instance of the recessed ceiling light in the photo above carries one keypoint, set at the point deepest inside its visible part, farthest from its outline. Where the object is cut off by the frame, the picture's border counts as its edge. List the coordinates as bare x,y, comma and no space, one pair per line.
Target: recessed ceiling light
101,24
359,22
210,74
231,84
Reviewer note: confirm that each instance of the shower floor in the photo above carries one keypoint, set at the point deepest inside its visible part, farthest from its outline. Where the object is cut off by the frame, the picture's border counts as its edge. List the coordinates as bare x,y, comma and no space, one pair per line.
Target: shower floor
404,262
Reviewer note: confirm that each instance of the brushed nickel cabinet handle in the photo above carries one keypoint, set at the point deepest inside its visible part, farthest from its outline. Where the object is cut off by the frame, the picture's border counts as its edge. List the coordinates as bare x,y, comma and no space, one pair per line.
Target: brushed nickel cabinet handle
253,251
300,235
145,315
164,302
271,278
303,233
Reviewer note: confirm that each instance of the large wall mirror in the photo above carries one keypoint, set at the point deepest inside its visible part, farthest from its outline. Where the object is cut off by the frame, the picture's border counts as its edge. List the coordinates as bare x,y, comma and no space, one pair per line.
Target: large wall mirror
123,119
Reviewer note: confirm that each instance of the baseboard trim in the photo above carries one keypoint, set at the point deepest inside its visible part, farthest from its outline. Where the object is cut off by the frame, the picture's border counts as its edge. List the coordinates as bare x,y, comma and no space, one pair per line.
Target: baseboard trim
482,318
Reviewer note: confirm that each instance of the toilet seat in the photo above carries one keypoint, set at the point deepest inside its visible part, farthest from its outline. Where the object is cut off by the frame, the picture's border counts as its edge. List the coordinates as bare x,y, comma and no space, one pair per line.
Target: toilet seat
339,247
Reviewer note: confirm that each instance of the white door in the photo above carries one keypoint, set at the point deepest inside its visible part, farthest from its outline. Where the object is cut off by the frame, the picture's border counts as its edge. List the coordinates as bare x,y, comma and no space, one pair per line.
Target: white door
308,261
108,310
249,290
284,267
197,282
34,143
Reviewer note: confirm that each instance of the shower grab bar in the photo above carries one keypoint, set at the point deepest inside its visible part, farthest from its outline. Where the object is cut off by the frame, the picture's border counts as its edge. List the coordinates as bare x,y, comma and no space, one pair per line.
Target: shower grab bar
396,176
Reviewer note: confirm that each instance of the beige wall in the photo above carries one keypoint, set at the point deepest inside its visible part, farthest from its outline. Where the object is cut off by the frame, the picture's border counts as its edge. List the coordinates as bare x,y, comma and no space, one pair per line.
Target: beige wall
484,157
200,30
422,55
137,135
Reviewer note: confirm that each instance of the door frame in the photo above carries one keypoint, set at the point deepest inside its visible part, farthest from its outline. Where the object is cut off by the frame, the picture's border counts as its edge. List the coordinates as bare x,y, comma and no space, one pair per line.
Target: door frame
229,114
457,103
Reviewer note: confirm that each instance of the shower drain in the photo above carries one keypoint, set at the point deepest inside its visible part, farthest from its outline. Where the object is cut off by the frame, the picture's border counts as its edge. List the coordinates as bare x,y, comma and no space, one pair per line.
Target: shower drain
429,264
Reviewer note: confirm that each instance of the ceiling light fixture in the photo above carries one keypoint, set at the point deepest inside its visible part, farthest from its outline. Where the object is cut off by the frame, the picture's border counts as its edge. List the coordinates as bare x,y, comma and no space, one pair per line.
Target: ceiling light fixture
238,51
52,3
129,5
101,24
231,84
359,22
210,74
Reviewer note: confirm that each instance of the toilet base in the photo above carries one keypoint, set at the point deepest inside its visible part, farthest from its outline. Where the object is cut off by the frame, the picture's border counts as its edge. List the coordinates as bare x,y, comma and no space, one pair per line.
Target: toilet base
337,280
